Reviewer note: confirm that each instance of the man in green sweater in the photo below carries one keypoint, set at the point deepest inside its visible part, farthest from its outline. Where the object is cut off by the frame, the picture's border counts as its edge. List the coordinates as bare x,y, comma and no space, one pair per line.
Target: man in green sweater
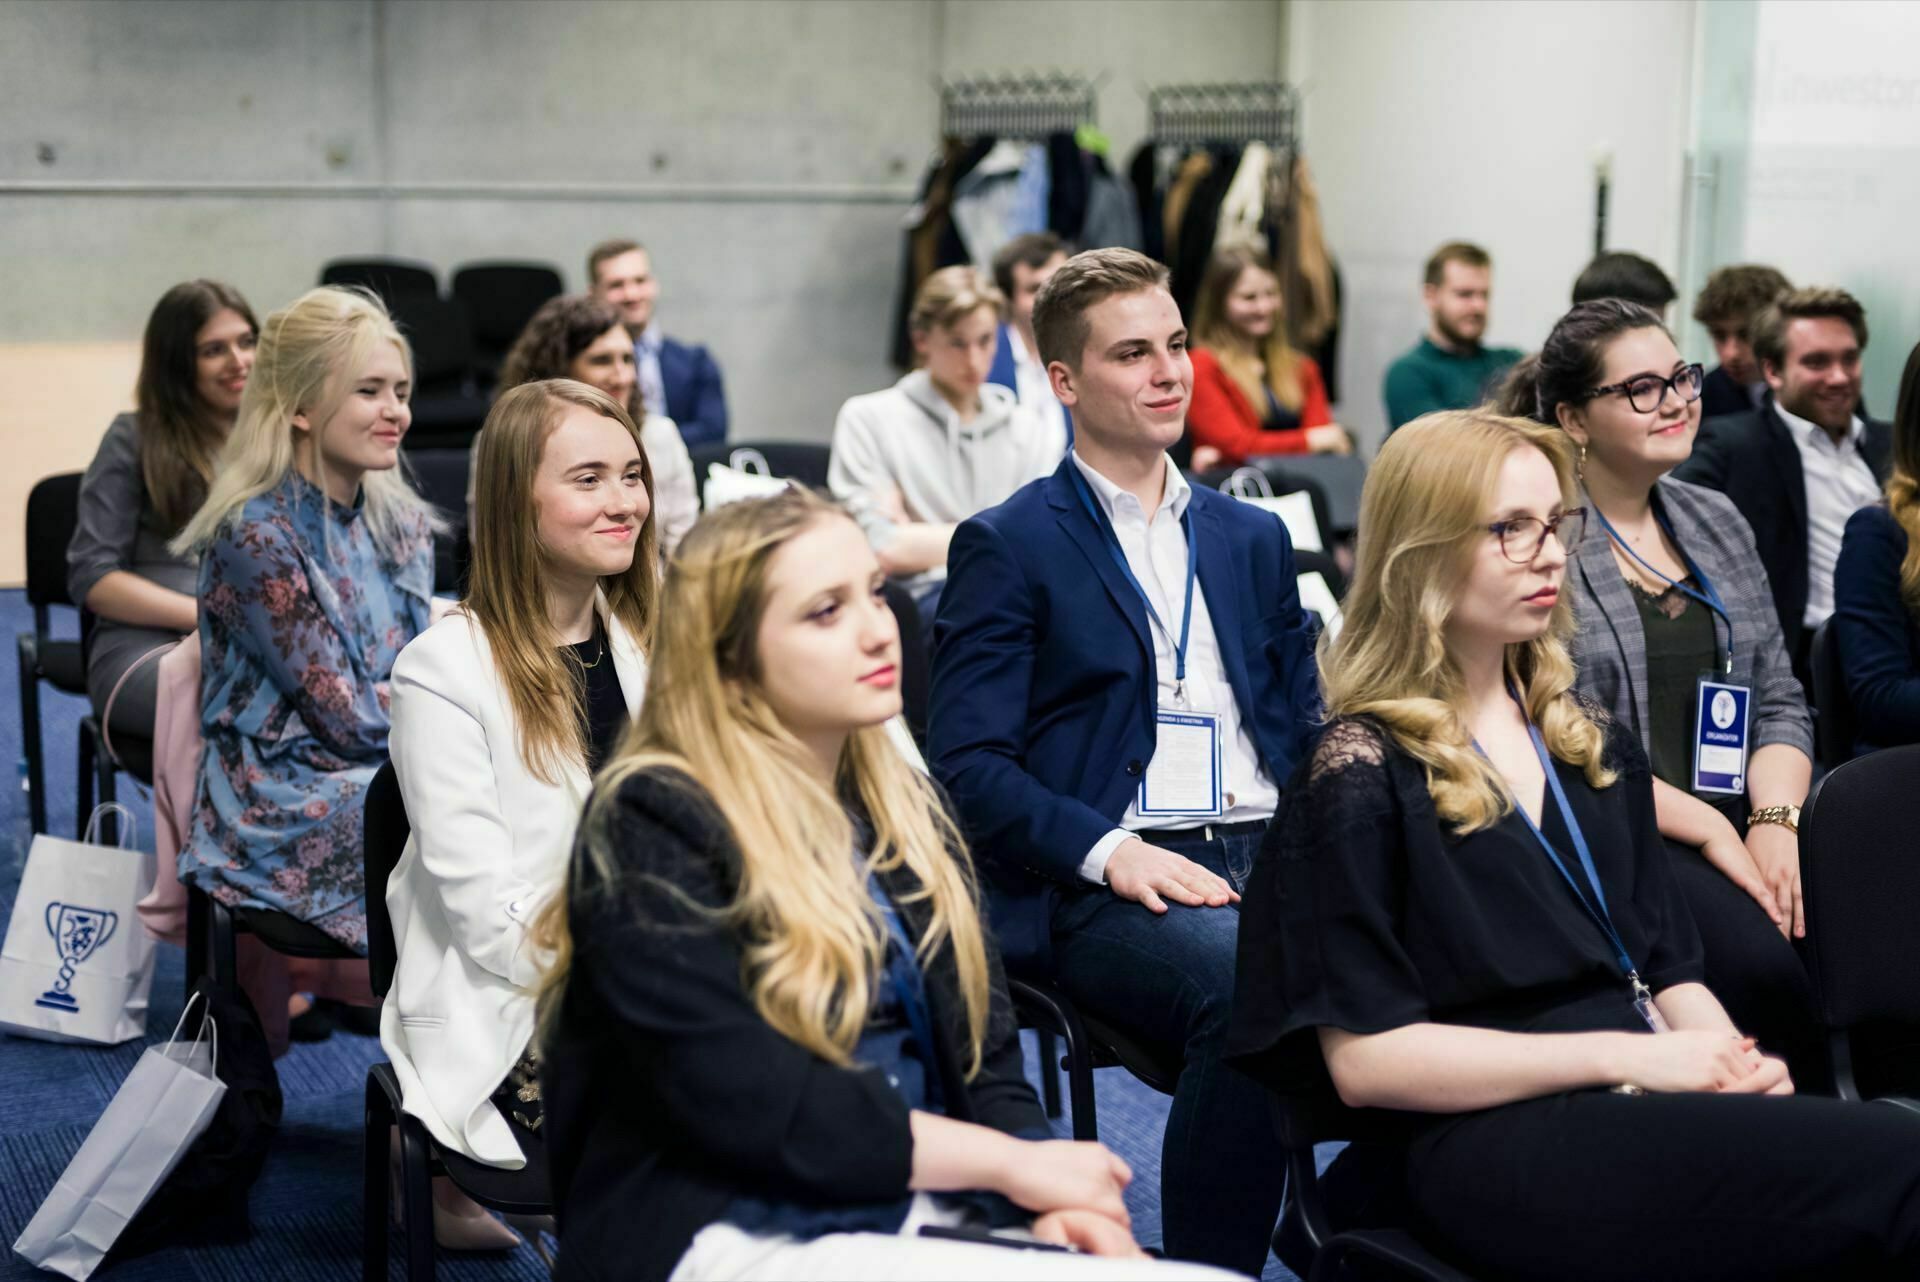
1448,369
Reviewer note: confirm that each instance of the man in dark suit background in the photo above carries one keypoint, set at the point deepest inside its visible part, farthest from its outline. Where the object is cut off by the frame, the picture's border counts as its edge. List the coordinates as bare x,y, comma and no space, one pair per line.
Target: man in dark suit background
1803,462
679,380
1122,681
1727,304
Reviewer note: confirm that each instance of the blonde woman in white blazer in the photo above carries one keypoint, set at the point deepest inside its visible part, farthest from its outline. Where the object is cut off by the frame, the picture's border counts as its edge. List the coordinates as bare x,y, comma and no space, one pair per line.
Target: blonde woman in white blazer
500,712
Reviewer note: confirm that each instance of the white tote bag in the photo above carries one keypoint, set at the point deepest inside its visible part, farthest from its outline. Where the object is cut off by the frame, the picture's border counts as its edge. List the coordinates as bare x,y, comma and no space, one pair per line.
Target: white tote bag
745,475
76,966
160,1110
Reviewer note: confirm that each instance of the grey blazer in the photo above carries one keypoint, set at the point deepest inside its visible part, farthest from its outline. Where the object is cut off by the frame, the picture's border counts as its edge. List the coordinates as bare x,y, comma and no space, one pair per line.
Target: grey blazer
1610,648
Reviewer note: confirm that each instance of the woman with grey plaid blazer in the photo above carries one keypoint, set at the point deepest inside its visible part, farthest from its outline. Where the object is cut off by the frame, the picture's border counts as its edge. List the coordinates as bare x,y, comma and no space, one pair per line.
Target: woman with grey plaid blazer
1667,589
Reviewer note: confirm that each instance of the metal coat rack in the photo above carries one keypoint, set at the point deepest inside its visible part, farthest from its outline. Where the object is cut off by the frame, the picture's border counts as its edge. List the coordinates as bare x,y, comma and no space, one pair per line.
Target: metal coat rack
1226,113
1019,105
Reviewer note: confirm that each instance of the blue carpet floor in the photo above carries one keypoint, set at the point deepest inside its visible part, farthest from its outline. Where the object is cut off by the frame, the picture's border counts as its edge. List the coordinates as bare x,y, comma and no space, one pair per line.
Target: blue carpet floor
306,1206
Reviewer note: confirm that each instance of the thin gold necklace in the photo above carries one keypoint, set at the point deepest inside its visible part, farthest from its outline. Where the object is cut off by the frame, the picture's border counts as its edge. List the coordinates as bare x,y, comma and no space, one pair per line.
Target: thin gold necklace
601,654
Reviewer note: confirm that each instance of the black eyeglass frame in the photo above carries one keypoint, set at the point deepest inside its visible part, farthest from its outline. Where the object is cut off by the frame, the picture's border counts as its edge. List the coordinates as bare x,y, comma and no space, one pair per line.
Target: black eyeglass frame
1696,373
1501,529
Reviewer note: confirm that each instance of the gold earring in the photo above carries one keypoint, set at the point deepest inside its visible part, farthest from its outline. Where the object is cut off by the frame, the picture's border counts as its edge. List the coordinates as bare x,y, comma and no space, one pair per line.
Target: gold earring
1580,468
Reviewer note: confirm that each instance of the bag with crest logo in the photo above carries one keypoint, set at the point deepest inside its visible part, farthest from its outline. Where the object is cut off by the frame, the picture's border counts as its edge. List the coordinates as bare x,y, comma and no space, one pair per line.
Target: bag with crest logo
76,965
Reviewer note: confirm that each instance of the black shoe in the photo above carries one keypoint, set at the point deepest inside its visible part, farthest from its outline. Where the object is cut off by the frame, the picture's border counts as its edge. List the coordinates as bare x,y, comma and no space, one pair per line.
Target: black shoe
314,1024
362,1021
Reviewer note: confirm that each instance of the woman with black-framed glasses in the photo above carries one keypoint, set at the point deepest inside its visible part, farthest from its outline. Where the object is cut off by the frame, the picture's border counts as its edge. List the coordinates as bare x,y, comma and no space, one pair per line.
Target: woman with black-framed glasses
1678,637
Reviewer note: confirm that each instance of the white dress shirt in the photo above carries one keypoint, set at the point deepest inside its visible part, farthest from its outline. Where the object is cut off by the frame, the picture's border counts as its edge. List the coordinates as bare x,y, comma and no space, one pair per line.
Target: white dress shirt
1839,483
1035,389
646,360
1156,551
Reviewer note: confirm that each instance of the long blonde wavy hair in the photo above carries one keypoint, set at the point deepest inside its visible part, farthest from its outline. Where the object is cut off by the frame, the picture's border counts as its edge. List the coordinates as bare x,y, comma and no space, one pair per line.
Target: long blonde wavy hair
1423,515
308,356
1213,331
814,940
506,595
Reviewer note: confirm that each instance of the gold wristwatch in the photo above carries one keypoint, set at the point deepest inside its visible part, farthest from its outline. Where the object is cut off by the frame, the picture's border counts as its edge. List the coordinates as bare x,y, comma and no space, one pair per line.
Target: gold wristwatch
1788,816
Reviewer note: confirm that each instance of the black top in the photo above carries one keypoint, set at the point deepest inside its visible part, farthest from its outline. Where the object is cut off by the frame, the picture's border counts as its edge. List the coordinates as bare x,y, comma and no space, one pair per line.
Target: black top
668,1097
1279,418
1364,913
1681,647
603,714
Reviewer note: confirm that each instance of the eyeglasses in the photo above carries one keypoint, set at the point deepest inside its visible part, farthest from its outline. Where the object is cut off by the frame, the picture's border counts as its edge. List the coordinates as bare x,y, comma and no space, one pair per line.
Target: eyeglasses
1647,391
1522,537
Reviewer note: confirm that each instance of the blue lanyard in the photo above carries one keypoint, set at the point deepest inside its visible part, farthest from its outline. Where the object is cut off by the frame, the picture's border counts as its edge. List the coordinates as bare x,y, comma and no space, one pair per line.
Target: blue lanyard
1705,596
903,972
1597,905
1120,559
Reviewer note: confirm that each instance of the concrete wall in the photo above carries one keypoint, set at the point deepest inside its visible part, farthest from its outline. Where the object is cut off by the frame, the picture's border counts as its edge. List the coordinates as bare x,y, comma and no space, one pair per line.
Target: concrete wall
1483,120
766,150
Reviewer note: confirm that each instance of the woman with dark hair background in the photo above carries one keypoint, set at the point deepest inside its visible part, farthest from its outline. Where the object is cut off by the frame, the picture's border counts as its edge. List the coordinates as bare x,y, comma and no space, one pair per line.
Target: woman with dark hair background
583,339
149,475
1668,592
1876,592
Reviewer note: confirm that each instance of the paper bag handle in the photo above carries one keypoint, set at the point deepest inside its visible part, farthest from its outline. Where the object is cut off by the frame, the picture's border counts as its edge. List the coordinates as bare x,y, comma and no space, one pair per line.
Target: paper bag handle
209,1027
739,459
1247,482
128,824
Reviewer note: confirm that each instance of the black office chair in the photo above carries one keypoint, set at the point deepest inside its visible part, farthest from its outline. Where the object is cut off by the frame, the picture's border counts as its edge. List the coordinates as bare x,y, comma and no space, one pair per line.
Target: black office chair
500,299
440,475
800,461
1861,883
447,407
52,513
1834,725
1305,1240
1090,1044
390,278
516,1194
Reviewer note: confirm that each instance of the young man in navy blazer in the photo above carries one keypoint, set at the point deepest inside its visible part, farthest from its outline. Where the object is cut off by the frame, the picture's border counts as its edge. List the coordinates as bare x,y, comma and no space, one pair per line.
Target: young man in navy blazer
1122,680
679,380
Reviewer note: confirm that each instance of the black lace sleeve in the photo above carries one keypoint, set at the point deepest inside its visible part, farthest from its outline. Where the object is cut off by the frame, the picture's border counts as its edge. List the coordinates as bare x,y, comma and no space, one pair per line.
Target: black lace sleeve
1322,918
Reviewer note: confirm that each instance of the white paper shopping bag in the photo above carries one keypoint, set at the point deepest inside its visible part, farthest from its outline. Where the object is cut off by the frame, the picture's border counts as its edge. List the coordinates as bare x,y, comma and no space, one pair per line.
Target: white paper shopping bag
160,1110
76,966
745,475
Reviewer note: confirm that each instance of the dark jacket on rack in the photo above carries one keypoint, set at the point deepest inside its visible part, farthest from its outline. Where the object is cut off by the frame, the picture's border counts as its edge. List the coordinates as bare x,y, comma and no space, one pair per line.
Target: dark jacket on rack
668,1096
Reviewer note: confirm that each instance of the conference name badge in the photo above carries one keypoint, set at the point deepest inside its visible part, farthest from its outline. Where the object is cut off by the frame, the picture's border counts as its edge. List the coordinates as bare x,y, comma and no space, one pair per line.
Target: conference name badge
1184,776
1720,737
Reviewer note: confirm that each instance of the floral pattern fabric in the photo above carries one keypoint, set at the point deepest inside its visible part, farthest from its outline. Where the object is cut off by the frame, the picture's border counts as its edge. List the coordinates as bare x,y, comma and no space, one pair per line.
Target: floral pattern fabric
302,615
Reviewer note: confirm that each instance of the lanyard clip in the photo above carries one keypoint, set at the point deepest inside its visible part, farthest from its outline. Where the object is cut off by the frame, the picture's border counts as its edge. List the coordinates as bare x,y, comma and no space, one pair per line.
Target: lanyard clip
1641,993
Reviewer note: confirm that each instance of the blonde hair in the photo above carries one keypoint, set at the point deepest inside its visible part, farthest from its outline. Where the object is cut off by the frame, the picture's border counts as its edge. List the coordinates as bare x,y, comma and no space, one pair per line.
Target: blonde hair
505,596
1241,359
1423,513
1089,278
308,356
814,942
950,295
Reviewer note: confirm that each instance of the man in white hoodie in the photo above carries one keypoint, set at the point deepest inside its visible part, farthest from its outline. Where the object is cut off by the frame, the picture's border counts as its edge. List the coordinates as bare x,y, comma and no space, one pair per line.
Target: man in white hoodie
915,460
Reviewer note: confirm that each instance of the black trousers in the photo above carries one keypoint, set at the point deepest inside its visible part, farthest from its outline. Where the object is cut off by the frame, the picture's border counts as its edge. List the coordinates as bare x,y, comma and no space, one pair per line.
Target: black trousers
1753,969
1674,1188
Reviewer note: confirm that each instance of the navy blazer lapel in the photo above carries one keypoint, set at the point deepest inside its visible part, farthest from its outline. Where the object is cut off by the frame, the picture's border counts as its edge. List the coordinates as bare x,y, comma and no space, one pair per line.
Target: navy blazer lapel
1220,581
1092,542
1786,463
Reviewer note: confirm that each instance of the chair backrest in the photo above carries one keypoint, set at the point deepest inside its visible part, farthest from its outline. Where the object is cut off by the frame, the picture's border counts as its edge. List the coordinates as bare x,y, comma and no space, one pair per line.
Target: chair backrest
1834,726
502,297
386,830
390,278
801,461
916,665
1861,883
53,510
437,330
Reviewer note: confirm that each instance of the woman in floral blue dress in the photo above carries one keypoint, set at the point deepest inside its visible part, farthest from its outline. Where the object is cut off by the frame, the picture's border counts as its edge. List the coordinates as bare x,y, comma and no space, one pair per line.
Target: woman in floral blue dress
316,570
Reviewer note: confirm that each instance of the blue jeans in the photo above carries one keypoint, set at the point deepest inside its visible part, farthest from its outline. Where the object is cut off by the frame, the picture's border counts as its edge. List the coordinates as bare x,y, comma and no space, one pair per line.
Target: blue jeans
1168,979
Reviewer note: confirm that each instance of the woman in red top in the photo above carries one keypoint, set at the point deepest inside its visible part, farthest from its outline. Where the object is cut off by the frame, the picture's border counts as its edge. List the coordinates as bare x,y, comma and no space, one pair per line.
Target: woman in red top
1252,393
